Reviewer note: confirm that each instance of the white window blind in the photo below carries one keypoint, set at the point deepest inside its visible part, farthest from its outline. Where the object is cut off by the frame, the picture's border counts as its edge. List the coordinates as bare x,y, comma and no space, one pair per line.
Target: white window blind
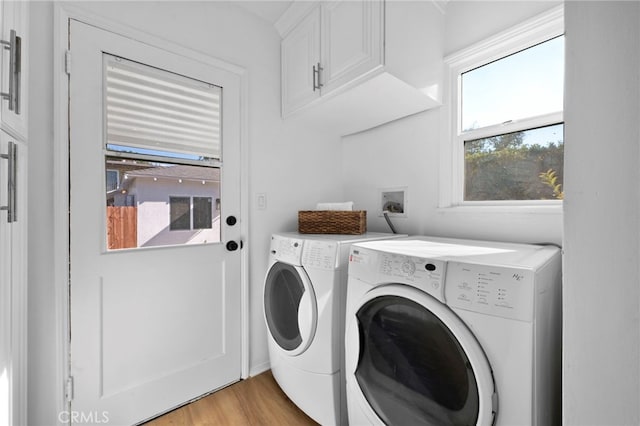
152,111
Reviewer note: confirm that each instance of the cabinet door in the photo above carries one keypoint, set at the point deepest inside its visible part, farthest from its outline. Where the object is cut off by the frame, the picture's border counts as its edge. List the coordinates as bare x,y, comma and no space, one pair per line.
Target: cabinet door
300,54
13,301
5,290
14,117
352,40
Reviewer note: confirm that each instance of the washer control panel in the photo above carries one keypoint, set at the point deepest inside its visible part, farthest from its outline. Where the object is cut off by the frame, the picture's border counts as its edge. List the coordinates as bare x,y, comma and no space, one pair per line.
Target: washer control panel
425,274
494,290
320,254
286,249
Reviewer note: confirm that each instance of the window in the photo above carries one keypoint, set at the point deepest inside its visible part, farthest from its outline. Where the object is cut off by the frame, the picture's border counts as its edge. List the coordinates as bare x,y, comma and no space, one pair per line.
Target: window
113,180
202,212
507,142
162,156
180,213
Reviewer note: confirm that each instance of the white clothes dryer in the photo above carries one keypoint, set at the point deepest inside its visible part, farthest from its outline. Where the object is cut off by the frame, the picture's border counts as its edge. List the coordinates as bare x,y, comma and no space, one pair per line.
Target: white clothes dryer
453,332
304,307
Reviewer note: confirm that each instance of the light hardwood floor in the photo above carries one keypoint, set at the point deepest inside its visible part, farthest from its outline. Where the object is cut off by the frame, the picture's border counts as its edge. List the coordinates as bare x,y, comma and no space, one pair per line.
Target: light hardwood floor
255,401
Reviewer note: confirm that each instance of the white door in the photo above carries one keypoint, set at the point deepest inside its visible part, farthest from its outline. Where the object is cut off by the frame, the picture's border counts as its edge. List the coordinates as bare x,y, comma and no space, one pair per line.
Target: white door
152,325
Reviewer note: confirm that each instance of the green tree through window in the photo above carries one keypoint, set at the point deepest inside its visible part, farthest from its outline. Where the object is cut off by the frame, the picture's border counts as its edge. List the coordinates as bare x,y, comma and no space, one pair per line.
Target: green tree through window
514,166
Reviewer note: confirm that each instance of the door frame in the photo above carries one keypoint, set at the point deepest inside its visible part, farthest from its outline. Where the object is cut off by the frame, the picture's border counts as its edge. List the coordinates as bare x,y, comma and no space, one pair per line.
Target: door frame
61,244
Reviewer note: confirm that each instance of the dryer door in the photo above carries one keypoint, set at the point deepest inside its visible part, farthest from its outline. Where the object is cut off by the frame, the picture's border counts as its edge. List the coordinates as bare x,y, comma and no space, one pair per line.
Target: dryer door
411,360
290,307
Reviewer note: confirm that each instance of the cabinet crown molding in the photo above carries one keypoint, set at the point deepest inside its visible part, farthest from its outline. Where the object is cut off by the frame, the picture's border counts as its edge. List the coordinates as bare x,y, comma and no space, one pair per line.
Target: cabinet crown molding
299,8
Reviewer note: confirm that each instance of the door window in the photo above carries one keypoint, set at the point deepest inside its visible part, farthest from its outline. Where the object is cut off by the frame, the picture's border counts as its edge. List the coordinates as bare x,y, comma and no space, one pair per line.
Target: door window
412,369
163,137
282,295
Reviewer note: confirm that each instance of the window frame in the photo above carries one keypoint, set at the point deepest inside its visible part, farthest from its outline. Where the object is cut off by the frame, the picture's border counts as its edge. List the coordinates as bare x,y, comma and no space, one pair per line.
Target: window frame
541,28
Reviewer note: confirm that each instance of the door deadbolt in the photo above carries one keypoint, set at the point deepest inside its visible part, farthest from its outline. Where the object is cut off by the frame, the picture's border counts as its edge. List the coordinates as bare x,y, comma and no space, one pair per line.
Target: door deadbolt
231,220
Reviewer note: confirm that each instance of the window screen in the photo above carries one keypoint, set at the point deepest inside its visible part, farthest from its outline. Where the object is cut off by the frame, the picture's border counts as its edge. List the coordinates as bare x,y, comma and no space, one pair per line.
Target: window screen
180,211
202,212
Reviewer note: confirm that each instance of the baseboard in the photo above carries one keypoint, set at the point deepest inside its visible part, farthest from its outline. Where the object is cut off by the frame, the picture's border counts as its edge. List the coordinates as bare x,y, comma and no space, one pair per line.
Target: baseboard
260,368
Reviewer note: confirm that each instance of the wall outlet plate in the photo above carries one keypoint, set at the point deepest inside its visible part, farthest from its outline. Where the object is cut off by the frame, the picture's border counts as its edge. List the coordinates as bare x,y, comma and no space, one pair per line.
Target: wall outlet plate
394,201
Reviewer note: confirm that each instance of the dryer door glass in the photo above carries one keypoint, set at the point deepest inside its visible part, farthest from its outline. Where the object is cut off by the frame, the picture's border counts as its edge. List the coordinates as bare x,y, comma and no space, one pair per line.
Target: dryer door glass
411,368
282,294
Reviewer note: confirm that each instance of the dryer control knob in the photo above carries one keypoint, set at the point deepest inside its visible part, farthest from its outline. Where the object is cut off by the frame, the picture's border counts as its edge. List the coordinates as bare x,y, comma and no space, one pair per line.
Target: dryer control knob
408,267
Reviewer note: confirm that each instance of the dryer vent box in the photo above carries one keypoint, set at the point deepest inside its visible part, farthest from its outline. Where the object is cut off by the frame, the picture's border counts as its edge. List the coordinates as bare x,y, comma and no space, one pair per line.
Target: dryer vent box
393,201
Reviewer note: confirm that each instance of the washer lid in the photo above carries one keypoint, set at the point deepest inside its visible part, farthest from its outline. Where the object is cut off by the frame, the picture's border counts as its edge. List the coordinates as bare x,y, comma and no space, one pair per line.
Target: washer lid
290,307
417,362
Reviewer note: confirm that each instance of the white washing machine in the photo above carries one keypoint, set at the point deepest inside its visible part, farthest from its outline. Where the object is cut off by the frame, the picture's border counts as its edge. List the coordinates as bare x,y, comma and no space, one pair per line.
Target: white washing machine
453,332
304,305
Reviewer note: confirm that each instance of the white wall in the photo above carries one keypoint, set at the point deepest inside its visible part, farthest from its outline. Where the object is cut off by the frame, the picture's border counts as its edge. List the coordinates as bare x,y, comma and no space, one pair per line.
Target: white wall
294,168
601,242
406,153
470,21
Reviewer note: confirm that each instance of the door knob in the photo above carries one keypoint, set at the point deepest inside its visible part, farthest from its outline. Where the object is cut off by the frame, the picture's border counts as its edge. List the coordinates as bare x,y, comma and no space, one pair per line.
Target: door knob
232,246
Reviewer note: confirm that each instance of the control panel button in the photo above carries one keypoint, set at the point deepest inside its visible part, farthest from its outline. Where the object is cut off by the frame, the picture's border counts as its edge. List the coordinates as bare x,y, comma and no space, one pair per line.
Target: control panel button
430,267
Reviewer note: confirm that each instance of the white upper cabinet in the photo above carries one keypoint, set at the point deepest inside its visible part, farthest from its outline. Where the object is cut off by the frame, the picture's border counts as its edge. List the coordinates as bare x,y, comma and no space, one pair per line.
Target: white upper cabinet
352,41
13,68
300,57
13,280
13,209
356,64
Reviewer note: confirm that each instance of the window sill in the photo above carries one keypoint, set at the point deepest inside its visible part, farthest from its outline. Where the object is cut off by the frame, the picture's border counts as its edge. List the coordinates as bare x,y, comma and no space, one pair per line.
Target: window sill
507,207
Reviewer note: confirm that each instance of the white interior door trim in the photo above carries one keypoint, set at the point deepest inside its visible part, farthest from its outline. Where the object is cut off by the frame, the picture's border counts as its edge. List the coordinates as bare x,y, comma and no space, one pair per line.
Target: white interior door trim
62,14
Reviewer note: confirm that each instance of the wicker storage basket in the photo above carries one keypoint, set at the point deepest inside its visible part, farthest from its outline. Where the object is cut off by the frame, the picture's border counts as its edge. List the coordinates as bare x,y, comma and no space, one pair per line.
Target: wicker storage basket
332,222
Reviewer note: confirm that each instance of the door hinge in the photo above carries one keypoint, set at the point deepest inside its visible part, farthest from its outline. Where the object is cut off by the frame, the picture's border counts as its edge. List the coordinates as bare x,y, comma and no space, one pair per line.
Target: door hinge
69,389
67,62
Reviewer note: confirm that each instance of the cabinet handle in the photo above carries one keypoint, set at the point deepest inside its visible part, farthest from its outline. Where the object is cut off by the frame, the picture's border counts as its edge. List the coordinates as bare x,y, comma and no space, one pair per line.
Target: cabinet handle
315,73
316,77
11,157
14,46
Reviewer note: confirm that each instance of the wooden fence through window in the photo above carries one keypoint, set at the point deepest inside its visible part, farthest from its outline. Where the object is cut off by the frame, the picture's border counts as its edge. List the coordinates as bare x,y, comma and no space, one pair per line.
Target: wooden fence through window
122,227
